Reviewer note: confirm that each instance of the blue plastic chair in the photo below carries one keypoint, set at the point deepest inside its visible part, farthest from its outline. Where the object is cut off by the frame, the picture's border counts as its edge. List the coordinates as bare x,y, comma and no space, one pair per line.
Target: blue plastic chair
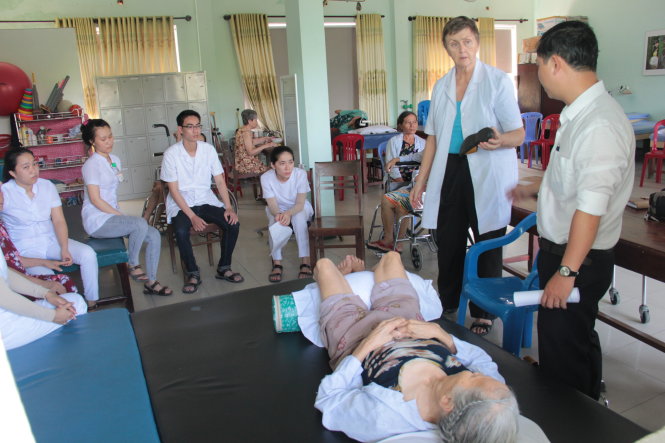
495,295
531,125
423,111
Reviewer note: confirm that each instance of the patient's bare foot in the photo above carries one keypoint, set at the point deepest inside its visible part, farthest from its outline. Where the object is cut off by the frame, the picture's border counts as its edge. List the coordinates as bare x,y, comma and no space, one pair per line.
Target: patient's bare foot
351,264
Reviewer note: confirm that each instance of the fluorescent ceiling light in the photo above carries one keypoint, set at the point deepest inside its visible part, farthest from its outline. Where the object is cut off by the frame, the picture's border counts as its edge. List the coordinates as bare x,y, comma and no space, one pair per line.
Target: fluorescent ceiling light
279,25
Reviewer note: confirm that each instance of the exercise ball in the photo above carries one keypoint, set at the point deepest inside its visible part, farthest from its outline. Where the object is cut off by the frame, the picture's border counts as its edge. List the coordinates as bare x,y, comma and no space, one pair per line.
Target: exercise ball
12,83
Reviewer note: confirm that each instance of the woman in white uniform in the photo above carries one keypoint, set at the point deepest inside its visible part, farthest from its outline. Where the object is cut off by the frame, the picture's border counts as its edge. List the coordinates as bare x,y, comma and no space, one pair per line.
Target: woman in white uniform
285,189
470,190
32,212
102,173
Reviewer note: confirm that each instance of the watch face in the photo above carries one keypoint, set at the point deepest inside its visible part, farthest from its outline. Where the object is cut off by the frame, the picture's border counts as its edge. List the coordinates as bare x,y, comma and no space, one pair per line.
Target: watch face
564,270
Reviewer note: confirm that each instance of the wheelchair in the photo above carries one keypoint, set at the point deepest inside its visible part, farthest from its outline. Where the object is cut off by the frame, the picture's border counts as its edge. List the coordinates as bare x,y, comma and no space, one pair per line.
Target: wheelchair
415,233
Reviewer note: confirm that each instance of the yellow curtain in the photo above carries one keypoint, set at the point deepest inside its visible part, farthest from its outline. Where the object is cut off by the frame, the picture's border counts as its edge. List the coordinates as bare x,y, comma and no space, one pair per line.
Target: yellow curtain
371,61
88,50
430,59
257,68
124,45
487,41
137,45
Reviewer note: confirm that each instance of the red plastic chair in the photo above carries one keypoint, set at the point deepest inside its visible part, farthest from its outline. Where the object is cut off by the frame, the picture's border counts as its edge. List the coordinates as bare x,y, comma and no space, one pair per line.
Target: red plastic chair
548,128
657,154
346,147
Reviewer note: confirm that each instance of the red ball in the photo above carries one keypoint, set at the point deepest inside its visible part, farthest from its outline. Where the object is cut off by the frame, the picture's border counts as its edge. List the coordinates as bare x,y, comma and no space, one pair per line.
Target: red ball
12,83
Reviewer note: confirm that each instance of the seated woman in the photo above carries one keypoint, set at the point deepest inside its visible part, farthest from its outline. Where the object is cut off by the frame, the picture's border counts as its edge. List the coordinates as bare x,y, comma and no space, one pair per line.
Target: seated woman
102,173
247,148
32,213
285,189
404,147
23,321
394,373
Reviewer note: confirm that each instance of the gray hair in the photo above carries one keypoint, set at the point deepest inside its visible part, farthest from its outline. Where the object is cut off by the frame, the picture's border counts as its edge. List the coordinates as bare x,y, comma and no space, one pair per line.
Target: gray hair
247,115
479,416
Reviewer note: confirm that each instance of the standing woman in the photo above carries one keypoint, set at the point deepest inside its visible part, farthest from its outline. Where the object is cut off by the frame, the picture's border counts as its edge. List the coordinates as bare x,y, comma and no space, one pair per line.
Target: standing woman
470,190
247,149
32,212
102,173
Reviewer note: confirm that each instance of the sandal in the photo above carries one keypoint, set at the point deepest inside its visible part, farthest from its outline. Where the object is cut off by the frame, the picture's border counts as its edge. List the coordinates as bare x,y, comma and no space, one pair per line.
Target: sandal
482,328
276,277
307,273
93,307
229,275
141,276
150,290
379,245
193,285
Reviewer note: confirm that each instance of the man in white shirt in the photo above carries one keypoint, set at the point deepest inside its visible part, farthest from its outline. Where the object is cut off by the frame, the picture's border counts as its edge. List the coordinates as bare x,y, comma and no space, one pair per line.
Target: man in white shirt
187,167
580,204
394,373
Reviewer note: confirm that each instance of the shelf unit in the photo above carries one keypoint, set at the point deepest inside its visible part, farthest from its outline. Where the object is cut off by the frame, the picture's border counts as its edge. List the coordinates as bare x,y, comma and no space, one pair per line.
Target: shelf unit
59,160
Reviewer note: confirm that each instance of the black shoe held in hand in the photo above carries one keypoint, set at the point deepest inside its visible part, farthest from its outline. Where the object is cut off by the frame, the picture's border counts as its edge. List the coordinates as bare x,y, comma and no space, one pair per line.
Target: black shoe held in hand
470,144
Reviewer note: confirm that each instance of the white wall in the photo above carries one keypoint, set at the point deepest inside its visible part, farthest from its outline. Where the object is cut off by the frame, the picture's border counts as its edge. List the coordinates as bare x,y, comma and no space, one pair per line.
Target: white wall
33,50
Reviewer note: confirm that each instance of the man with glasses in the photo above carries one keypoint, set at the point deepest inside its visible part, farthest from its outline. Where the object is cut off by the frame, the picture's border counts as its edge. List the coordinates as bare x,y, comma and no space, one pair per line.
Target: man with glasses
187,167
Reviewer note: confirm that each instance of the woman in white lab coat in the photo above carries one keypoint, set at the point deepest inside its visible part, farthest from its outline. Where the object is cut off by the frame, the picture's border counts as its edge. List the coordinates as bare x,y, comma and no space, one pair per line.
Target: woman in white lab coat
468,191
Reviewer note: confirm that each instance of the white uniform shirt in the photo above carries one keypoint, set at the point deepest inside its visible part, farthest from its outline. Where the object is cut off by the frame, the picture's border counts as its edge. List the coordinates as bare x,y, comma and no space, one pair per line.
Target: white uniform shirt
372,412
592,168
98,171
489,101
28,221
395,147
193,175
285,192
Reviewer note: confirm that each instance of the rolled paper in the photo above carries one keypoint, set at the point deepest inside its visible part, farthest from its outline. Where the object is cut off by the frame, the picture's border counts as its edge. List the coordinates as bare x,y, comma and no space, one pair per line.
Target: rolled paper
530,298
284,313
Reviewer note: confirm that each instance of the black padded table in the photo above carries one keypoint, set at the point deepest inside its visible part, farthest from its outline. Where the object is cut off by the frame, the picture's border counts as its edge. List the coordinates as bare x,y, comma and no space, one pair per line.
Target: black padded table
217,371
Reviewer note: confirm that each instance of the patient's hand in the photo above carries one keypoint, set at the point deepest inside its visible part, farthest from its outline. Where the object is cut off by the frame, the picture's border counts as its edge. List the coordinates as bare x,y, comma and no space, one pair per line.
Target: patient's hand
384,332
422,329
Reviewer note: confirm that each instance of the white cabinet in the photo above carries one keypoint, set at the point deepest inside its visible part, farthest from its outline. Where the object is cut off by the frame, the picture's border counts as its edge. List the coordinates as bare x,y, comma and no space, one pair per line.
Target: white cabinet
132,104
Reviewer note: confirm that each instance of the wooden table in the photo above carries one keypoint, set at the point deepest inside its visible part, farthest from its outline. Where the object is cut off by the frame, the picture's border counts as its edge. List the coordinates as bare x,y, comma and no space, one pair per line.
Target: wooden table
641,248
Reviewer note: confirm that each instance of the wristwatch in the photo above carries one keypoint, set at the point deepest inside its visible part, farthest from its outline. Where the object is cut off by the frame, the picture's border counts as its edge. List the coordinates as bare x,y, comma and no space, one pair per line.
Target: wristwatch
565,271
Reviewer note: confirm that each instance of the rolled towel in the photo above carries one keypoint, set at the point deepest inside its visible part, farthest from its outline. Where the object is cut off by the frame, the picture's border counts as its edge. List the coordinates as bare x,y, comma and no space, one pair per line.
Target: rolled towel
284,313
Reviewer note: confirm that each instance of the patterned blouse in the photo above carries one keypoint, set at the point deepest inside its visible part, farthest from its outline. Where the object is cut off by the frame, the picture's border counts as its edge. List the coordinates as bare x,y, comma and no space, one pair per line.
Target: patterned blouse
383,365
14,262
246,163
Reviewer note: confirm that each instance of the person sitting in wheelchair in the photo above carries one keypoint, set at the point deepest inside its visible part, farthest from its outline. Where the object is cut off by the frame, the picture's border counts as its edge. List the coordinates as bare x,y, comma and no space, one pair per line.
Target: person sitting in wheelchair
404,147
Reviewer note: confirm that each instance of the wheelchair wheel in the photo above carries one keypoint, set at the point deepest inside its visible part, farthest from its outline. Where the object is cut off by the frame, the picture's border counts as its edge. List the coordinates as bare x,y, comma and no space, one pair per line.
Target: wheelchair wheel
416,257
614,296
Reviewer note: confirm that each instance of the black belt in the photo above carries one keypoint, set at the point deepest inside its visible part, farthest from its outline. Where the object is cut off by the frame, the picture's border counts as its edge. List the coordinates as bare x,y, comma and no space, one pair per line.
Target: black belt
557,249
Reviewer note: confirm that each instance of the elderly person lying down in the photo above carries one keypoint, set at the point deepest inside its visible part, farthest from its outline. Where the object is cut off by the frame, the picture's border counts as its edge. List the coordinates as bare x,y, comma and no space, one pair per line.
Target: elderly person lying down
394,373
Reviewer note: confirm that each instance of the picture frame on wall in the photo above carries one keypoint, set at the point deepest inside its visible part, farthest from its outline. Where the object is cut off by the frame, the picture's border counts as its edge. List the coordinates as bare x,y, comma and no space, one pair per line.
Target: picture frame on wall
654,53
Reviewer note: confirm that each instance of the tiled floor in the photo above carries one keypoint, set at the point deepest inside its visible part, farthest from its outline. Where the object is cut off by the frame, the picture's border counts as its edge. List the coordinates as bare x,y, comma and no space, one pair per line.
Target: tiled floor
634,372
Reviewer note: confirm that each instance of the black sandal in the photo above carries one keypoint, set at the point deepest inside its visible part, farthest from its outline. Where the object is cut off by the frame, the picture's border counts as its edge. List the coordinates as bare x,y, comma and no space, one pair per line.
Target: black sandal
483,328
150,290
141,277
189,284
229,275
307,273
276,277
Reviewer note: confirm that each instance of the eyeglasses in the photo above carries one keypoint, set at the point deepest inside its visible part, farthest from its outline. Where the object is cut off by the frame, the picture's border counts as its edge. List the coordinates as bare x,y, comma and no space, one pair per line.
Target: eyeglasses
193,126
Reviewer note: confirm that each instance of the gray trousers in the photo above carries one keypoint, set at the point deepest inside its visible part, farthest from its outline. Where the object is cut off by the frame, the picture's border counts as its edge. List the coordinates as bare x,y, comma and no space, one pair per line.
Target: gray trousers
138,231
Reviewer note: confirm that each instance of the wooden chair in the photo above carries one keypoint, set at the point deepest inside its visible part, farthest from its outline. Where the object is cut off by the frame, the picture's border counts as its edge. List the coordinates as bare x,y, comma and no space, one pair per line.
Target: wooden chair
335,176
234,178
211,234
